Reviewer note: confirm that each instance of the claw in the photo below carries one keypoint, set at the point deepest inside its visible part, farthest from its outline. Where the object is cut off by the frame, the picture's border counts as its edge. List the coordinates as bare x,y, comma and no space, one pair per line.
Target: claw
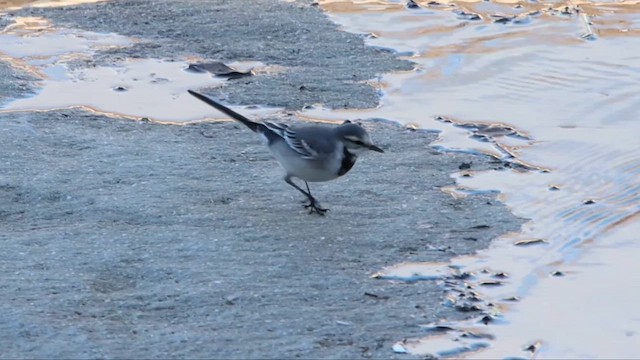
317,210
314,207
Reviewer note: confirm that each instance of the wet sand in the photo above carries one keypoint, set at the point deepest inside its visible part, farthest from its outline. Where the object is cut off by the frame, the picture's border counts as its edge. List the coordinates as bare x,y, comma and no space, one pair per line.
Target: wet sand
130,238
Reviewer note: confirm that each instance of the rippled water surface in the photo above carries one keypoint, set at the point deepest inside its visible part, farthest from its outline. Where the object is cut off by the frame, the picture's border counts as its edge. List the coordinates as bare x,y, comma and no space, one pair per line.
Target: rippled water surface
553,88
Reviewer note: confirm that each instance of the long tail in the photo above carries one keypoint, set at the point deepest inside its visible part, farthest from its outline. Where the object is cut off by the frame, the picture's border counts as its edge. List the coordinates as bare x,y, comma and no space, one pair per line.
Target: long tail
254,126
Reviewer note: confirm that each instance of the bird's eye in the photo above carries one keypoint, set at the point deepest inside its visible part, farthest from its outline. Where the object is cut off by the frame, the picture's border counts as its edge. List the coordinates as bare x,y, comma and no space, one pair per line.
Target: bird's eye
355,140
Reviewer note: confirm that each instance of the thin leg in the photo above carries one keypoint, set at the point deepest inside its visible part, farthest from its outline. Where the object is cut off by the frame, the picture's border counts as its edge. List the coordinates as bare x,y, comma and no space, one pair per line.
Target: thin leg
308,192
313,205
308,199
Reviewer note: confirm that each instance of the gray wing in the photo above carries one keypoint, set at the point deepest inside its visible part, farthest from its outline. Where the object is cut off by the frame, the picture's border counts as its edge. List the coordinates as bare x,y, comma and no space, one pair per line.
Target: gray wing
293,140
320,139
277,128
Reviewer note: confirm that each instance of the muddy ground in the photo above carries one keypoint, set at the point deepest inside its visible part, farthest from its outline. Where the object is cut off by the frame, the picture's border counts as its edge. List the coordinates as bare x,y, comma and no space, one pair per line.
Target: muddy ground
133,239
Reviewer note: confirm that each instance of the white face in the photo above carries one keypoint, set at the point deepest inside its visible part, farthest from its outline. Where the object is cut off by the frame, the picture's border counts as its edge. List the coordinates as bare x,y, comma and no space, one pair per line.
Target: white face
355,138
357,144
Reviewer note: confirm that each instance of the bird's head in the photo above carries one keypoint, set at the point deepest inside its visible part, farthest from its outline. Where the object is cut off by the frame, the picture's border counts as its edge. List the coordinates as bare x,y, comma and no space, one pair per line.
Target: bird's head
355,138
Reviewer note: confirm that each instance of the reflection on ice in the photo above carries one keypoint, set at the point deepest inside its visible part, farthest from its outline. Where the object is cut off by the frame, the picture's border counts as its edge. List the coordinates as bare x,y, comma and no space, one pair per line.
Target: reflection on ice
142,88
18,4
123,89
149,88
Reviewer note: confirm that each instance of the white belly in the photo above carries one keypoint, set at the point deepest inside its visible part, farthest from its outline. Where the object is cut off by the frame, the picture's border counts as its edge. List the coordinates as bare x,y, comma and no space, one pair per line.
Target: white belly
316,170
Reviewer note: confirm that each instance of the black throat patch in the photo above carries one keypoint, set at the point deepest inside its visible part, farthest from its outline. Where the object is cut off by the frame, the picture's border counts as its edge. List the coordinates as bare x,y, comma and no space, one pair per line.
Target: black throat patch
348,161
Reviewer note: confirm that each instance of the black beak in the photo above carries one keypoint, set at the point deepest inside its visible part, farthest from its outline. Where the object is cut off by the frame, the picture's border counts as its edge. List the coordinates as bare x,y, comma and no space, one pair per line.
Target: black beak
375,148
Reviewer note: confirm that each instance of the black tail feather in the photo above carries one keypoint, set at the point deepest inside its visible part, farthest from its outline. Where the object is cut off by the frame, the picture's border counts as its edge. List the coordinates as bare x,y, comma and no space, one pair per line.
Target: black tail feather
250,124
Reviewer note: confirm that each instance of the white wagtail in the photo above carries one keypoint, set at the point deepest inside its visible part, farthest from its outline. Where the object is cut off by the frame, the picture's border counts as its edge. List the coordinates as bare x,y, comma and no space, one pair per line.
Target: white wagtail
310,153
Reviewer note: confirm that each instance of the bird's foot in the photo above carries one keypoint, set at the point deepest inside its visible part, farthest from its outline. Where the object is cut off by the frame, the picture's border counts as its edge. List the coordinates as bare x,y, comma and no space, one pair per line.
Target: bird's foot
314,207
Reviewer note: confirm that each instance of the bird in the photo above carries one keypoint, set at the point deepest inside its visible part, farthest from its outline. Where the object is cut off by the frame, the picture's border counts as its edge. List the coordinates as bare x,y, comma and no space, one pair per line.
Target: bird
311,153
